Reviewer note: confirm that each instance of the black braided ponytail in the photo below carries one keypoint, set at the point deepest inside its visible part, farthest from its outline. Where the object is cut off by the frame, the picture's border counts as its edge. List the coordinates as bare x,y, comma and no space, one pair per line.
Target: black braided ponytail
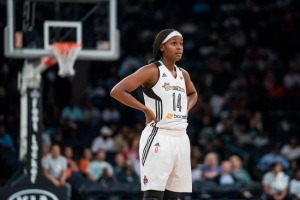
156,53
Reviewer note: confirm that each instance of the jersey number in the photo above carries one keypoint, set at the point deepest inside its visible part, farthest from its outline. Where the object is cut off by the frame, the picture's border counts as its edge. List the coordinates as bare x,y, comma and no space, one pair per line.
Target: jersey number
178,105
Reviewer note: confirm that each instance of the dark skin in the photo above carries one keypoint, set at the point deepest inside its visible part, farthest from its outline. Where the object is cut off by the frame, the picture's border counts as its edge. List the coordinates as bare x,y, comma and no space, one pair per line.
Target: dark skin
147,77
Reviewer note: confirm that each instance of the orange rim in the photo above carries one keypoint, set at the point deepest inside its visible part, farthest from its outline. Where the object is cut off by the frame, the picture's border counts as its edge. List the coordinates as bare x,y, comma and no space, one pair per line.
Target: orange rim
63,48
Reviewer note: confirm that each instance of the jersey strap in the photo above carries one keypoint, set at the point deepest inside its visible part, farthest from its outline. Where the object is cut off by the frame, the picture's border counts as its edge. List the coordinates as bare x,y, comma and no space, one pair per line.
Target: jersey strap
158,63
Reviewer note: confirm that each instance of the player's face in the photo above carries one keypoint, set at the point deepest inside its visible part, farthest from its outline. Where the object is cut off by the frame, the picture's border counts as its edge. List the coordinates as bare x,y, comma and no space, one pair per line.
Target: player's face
173,48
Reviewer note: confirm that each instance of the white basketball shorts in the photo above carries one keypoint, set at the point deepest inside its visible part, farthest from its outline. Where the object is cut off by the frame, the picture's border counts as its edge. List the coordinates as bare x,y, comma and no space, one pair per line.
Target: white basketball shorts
165,160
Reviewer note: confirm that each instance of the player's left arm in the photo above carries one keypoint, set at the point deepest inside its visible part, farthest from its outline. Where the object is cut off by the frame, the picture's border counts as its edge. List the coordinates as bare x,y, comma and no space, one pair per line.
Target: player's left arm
191,92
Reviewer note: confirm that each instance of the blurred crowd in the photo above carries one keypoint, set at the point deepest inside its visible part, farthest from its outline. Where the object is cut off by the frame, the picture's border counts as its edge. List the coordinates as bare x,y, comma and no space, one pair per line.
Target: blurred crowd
244,59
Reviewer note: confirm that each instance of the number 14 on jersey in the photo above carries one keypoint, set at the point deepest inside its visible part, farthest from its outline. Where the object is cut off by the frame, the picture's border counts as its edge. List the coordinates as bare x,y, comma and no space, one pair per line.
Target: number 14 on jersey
176,104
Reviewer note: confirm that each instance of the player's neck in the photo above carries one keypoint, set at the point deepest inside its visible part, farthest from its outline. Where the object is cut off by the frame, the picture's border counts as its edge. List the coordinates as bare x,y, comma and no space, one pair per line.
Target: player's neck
169,64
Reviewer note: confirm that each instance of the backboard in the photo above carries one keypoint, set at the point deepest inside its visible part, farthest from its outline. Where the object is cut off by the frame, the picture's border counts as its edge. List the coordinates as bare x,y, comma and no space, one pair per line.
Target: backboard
33,25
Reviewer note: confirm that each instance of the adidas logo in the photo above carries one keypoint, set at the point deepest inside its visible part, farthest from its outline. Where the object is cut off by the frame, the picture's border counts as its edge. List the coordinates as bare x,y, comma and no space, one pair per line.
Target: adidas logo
157,145
164,75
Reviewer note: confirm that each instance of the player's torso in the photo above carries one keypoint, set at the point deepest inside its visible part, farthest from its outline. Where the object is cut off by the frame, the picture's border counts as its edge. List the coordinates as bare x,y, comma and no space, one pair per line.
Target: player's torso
167,99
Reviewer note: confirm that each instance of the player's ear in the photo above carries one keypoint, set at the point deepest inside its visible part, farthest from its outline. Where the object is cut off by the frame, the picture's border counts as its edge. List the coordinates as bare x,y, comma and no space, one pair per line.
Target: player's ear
161,48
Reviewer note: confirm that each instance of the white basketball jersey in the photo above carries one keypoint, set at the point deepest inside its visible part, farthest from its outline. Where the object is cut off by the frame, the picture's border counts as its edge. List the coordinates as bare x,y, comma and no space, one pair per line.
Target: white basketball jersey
167,99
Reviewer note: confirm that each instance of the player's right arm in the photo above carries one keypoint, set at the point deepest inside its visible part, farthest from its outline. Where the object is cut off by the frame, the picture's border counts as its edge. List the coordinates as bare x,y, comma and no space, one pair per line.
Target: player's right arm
146,76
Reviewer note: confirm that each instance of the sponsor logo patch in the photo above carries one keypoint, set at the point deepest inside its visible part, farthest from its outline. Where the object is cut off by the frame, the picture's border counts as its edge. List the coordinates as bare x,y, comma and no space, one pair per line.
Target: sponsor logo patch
168,87
169,116
180,116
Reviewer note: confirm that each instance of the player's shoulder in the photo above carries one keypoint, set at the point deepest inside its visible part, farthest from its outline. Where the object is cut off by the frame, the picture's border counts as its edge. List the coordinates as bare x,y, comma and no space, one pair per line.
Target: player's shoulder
181,69
184,72
152,67
149,73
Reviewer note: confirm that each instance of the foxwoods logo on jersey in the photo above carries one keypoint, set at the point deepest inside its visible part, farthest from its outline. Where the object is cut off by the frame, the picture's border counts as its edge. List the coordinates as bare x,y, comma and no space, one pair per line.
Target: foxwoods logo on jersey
35,194
168,87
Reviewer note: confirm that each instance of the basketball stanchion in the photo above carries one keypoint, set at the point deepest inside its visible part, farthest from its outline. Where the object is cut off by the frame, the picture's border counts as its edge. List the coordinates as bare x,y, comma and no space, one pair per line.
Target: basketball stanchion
33,36
30,175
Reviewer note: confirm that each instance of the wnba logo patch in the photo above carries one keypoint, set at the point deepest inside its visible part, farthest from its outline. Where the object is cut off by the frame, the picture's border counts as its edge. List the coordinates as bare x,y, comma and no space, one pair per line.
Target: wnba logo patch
145,180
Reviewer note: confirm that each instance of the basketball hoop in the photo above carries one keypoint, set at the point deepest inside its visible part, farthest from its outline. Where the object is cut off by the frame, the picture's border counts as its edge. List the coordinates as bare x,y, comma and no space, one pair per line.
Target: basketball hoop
66,54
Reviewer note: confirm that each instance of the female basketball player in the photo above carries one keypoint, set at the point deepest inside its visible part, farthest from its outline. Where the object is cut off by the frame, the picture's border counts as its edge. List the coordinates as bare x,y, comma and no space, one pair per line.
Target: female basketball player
169,95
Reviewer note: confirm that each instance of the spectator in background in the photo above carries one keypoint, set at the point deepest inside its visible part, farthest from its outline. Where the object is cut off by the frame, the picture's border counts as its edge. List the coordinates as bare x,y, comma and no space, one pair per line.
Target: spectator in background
127,174
91,114
46,138
225,177
256,122
211,167
261,140
111,115
274,156
291,79
206,133
195,160
104,141
72,165
243,138
97,166
196,153
238,172
225,120
55,167
45,149
217,101
72,112
67,130
291,151
95,91
74,177
121,142
107,177
132,154
5,139
119,163
295,186
129,65
275,183
196,171
85,160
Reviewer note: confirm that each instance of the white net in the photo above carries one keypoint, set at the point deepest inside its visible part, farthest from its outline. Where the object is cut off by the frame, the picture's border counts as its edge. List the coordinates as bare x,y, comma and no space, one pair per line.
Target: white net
66,54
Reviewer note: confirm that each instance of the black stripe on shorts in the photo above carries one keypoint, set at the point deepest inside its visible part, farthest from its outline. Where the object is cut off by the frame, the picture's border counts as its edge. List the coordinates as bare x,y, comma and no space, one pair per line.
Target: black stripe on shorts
148,145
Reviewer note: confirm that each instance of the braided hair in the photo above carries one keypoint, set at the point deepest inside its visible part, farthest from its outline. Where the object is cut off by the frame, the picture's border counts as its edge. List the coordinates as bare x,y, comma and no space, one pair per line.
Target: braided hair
156,53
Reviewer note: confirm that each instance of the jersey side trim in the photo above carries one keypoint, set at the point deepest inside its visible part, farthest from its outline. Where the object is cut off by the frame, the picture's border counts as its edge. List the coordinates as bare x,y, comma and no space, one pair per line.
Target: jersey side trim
158,102
148,144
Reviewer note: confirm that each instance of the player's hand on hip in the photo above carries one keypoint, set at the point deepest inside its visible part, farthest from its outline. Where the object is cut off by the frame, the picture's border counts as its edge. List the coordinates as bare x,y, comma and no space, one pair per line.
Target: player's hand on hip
149,116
